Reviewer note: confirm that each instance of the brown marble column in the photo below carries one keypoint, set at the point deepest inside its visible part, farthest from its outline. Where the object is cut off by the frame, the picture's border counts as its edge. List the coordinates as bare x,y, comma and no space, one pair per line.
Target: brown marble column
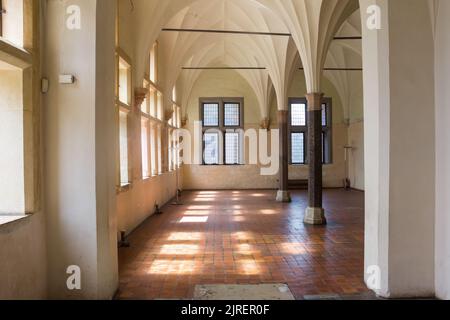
283,192
315,214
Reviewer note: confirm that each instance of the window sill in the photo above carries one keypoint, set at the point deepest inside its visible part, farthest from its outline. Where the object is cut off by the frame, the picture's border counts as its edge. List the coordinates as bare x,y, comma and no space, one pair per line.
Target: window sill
306,164
224,165
14,55
124,188
7,220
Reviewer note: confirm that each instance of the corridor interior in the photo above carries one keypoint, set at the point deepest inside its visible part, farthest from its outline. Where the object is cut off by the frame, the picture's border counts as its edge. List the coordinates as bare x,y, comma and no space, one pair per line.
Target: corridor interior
226,82
245,238
307,139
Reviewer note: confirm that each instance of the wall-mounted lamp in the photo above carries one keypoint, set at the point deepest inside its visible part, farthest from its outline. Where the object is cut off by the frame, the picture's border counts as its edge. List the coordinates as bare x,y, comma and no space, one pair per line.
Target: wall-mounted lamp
66,79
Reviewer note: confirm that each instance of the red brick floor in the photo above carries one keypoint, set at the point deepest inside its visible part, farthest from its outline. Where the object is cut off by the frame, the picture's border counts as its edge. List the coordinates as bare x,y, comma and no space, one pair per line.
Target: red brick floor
245,237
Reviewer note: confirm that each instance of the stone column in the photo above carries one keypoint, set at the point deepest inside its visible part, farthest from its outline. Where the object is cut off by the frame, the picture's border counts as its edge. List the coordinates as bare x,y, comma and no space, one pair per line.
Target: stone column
283,192
315,213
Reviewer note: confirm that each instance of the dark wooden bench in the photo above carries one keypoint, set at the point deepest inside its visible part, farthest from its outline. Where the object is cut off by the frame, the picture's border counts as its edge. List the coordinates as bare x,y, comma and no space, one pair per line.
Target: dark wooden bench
298,184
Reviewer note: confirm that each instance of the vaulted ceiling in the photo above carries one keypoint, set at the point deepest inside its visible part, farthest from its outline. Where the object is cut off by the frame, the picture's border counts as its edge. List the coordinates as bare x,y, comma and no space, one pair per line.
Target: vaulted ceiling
312,25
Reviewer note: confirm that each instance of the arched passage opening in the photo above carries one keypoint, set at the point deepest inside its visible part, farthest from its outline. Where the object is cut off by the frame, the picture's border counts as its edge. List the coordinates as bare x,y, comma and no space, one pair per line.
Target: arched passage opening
185,56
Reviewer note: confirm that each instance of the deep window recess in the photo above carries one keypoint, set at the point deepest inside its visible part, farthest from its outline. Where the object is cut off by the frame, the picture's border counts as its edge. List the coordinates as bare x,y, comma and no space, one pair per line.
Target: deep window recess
19,76
123,106
12,21
298,131
222,120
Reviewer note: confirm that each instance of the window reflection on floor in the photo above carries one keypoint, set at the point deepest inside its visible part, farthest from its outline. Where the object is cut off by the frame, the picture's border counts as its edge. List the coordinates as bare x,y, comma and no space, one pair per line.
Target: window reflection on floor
211,239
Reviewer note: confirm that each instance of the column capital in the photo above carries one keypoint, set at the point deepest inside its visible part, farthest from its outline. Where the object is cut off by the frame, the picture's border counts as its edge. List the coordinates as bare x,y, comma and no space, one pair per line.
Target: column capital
314,101
139,96
283,113
265,123
184,121
168,114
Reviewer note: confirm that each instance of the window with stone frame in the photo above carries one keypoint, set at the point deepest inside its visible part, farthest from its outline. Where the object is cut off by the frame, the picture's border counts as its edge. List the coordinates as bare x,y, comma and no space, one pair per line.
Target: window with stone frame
222,121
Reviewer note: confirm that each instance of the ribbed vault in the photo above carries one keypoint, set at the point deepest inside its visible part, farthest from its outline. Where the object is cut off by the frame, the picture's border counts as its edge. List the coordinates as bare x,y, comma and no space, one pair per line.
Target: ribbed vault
312,24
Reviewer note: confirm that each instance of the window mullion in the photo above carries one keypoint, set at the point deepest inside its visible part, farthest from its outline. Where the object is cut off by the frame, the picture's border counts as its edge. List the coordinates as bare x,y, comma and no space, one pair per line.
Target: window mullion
2,11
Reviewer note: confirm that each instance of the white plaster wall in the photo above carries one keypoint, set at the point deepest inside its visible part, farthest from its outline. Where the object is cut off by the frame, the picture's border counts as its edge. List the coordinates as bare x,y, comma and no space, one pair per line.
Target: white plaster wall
127,40
412,150
356,155
79,136
227,178
138,204
23,260
356,129
399,148
442,241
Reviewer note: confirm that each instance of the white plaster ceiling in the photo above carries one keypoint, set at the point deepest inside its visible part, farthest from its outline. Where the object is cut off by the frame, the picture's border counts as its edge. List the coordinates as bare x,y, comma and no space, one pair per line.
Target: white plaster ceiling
312,24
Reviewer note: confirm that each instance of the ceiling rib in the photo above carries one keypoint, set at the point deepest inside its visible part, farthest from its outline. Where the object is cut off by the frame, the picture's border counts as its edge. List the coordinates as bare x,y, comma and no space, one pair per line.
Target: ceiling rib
223,68
280,34
348,38
257,33
339,69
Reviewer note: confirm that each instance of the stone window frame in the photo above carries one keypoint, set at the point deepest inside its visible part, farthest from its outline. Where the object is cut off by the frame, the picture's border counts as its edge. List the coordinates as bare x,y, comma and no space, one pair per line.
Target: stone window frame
221,101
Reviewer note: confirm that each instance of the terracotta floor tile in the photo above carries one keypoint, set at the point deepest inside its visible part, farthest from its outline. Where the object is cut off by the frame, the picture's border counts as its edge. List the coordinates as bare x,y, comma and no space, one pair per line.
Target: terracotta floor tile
248,241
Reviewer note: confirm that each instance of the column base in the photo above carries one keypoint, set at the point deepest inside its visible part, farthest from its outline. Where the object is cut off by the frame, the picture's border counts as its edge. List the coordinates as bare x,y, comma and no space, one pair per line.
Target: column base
283,196
315,216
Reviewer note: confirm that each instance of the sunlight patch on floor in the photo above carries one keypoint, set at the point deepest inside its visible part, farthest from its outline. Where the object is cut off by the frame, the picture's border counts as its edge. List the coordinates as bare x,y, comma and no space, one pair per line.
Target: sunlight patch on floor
194,220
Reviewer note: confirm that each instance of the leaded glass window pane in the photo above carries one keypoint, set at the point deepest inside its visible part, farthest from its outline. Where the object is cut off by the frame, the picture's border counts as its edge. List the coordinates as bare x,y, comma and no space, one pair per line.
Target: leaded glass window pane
324,115
298,114
232,114
211,155
298,147
232,148
211,115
